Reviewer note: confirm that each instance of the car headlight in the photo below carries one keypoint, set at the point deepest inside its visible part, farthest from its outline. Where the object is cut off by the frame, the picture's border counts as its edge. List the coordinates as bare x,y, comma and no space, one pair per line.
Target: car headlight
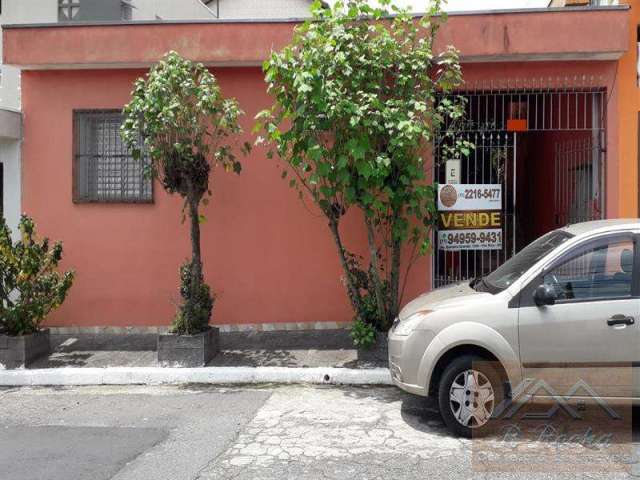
407,326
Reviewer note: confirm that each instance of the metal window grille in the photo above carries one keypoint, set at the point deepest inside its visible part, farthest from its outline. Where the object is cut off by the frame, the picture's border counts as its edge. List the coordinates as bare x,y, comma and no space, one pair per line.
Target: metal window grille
104,170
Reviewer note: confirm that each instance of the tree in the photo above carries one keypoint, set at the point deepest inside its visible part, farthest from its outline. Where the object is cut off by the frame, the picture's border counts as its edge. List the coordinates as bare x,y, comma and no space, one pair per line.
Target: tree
359,95
179,124
30,284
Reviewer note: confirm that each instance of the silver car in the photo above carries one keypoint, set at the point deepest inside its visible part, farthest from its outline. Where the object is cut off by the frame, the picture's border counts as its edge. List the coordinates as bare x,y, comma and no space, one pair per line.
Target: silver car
567,303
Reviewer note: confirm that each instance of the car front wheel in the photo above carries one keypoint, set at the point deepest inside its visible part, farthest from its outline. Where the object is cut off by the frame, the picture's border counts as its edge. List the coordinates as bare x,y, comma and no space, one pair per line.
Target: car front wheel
469,392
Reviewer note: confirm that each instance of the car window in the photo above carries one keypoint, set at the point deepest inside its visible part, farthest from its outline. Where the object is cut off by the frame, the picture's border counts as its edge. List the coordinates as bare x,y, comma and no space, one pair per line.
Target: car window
603,271
512,269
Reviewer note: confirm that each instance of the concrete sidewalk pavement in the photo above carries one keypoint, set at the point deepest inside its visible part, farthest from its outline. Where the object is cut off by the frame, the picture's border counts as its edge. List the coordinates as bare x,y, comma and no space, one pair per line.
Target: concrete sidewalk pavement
312,357
297,349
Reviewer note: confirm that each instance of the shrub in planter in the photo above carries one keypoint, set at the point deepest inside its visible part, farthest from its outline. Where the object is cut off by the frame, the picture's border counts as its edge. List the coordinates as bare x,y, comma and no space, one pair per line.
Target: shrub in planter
197,303
30,288
363,334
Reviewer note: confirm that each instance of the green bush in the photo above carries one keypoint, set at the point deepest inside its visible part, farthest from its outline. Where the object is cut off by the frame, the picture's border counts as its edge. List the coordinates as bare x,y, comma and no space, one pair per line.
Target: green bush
30,284
363,334
195,311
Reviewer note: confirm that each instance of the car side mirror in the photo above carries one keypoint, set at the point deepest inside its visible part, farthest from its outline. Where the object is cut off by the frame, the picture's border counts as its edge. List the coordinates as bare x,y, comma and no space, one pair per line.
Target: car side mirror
545,295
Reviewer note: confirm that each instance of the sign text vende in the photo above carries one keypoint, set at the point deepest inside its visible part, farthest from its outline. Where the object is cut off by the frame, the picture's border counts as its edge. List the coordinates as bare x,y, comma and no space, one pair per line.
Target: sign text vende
470,217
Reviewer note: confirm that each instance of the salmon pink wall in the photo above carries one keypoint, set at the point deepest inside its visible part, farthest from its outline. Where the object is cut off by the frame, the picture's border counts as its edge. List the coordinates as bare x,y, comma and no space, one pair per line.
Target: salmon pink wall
268,257
489,36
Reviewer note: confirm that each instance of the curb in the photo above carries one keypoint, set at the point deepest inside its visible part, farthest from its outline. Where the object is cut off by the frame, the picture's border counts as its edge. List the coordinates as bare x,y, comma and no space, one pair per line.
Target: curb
205,375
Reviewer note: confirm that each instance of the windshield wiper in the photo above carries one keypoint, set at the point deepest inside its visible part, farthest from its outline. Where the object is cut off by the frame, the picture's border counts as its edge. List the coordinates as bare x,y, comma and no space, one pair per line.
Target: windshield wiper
479,284
479,280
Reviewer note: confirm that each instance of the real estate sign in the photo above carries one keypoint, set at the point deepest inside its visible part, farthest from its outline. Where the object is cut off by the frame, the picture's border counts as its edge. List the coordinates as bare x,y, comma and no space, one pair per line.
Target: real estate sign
470,217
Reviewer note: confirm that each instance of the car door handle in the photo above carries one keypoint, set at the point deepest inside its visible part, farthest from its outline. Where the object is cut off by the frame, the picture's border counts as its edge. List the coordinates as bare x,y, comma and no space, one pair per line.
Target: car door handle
620,320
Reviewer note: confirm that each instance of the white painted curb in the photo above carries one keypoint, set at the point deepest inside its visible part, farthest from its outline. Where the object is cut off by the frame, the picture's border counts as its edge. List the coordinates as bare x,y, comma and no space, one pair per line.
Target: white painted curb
206,375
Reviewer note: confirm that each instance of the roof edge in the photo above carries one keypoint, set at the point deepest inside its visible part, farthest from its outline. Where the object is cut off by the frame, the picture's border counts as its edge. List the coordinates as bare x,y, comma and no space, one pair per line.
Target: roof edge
303,19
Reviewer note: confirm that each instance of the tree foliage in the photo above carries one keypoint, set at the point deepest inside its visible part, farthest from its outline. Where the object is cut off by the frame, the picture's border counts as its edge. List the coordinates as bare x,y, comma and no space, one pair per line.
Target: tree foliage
30,284
180,126
359,95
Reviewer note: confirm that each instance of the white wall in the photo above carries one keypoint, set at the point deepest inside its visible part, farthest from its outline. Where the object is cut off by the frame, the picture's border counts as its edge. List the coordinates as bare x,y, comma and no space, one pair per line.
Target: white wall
255,9
10,158
229,9
21,11
169,10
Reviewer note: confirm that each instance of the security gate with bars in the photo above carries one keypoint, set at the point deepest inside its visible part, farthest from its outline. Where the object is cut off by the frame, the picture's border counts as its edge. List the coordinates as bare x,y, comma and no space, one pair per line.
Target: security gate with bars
576,181
492,161
567,114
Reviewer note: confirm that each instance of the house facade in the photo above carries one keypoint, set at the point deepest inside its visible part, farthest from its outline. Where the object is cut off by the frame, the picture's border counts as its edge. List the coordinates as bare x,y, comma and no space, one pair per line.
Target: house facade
76,11
545,110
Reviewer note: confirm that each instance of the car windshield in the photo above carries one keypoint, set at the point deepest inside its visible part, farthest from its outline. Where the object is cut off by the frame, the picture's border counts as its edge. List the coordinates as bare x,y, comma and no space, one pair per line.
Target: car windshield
502,277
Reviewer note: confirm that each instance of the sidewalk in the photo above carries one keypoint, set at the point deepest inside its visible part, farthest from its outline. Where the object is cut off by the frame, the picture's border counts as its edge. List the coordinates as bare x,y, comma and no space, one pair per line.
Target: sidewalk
319,356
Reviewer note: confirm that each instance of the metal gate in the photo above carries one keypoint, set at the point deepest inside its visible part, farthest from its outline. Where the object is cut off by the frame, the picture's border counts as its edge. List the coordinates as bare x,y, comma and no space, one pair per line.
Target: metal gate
577,181
493,161
573,111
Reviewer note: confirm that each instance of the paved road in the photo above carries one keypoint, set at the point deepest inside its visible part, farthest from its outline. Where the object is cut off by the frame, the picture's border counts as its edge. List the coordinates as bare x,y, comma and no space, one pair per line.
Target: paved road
277,433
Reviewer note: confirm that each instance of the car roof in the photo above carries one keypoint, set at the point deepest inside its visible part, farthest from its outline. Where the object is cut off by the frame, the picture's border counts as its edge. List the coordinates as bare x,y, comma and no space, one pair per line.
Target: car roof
612,224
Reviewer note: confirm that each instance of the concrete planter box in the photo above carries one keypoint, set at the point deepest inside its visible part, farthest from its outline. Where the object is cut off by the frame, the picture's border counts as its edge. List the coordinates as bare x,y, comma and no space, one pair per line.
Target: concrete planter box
188,350
19,352
378,353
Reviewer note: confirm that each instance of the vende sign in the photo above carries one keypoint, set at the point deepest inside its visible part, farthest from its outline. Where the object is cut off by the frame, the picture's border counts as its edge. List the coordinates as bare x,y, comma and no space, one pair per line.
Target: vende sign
470,217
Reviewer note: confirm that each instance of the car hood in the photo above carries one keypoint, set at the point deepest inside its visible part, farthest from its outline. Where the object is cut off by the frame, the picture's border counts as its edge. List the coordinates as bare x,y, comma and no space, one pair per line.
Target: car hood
445,297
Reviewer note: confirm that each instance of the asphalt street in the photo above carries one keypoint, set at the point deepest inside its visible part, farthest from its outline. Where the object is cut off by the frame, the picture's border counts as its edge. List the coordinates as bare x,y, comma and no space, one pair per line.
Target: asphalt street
297,432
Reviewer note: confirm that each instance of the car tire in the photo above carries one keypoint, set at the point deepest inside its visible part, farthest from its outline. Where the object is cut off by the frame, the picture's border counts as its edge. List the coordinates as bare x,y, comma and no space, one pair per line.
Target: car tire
459,399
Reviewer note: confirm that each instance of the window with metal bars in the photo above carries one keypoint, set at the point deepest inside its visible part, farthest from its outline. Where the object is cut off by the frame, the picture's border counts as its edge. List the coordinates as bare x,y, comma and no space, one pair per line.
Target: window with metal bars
104,169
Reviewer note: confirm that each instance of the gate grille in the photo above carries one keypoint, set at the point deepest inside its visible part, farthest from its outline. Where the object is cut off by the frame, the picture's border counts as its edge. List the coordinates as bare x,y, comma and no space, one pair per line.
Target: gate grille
491,162
570,114
576,182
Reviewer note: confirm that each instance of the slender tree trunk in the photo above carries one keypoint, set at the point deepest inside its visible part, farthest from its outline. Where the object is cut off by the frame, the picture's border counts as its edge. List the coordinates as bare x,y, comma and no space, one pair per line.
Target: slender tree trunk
195,235
394,278
377,283
196,256
354,294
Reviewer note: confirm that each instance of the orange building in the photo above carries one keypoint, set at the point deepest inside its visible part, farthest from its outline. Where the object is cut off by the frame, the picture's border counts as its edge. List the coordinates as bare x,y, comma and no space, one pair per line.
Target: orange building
628,113
552,108
628,118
